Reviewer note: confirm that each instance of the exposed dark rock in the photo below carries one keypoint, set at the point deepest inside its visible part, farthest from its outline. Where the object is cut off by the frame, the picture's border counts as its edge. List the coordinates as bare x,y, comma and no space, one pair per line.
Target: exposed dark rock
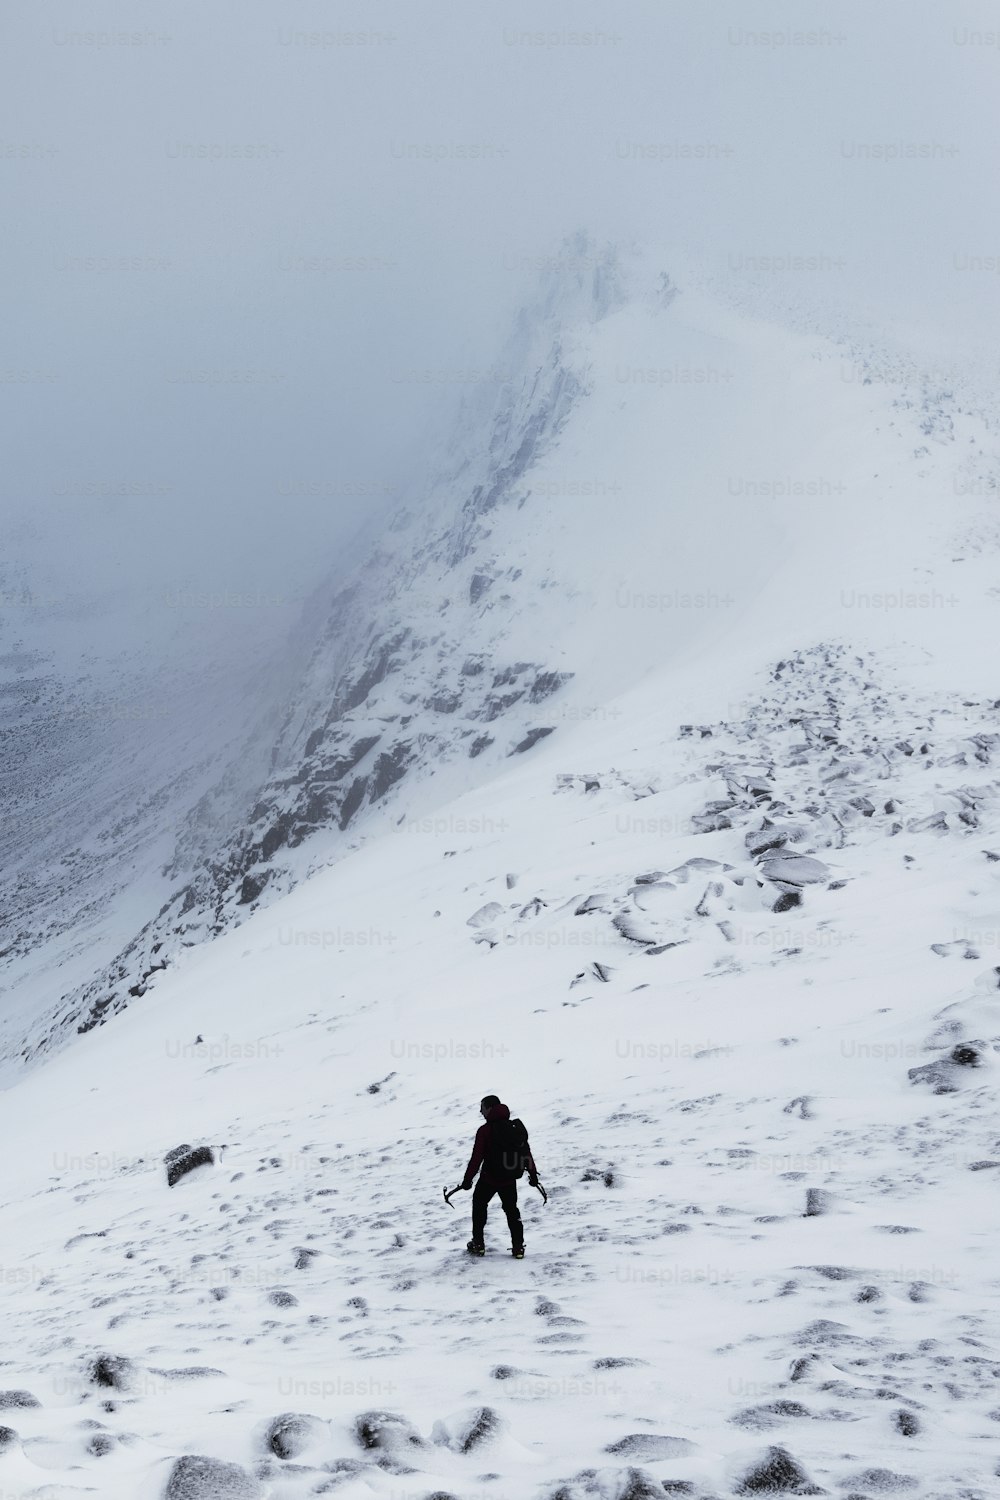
8,1439
389,768
251,888
531,738
353,800
777,1473
114,1371
184,1159
11,1399
761,840
547,683
479,744
818,1201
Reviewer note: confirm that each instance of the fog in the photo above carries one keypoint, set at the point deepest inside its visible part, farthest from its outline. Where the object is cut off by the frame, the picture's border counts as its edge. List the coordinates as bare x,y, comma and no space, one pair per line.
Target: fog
253,250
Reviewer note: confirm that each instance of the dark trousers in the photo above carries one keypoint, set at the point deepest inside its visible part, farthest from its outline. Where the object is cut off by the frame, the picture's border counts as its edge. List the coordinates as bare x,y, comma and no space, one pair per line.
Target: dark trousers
481,1196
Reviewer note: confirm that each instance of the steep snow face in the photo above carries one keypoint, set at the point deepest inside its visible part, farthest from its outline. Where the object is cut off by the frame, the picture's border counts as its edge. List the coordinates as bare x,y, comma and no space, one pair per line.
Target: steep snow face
645,480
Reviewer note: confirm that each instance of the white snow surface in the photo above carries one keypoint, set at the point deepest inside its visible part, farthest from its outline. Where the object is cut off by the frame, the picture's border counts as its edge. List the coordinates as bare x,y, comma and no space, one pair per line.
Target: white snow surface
589,931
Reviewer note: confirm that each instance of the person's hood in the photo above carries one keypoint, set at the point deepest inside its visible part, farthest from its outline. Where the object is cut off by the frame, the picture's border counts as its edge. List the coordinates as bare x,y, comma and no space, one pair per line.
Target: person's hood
497,1112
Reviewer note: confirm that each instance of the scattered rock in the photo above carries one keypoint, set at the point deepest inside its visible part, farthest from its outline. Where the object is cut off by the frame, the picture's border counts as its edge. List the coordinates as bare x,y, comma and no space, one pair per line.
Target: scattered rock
650,1445
280,1298
818,1201
772,1414
882,1481
531,738
777,1473
11,1399
292,1433
387,1432
195,1477
114,1371
796,869
467,1430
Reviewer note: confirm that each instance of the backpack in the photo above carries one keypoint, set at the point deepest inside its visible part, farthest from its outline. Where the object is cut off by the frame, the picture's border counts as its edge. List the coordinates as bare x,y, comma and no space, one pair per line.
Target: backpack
508,1152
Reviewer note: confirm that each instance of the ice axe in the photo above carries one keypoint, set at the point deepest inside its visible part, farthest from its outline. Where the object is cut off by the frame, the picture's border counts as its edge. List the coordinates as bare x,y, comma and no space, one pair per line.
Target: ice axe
450,1193
545,1196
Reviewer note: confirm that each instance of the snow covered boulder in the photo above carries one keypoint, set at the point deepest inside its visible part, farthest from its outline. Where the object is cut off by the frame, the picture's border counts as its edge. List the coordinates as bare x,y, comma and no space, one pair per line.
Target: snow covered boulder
468,1429
195,1477
650,1446
293,1433
882,1482
22,1399
486,915
795,869
387,1432
184,1159
776,1473
948,1074
764,839
8,1439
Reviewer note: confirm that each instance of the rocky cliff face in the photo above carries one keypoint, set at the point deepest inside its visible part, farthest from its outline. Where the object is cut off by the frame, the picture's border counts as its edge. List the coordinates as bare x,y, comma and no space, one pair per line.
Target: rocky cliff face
410,670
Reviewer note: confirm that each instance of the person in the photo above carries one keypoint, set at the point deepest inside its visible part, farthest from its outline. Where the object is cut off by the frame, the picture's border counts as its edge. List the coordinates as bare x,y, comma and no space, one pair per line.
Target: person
497,1174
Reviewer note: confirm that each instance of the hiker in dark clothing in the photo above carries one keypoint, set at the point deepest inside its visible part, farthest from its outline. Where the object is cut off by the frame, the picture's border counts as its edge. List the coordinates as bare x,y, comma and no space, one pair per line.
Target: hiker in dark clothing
502,1156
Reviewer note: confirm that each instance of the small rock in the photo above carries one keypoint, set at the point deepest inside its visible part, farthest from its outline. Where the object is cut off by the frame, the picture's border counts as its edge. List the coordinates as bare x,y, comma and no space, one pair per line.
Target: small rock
11,1399
882,1481
818,1201
184,1159
114,1371
797,869
650,1445
467,1430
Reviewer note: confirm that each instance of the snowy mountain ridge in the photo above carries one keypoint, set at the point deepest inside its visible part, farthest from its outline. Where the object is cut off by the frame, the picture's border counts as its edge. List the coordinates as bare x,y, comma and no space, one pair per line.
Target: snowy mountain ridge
618,485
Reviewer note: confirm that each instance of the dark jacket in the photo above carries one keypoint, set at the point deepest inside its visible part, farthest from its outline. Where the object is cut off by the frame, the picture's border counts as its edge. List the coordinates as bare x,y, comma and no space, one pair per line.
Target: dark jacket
481,1146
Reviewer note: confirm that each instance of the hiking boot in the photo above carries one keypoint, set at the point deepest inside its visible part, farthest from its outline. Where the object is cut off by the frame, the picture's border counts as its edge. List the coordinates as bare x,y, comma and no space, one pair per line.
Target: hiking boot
518,1252
476,1247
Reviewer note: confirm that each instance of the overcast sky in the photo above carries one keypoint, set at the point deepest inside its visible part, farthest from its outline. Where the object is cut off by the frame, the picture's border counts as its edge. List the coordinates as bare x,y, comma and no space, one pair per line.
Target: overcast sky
256,339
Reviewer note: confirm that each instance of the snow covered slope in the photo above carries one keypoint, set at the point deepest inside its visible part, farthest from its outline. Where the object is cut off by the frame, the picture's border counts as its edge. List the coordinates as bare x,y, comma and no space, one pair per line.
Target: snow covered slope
726,939
767,1127
643,479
